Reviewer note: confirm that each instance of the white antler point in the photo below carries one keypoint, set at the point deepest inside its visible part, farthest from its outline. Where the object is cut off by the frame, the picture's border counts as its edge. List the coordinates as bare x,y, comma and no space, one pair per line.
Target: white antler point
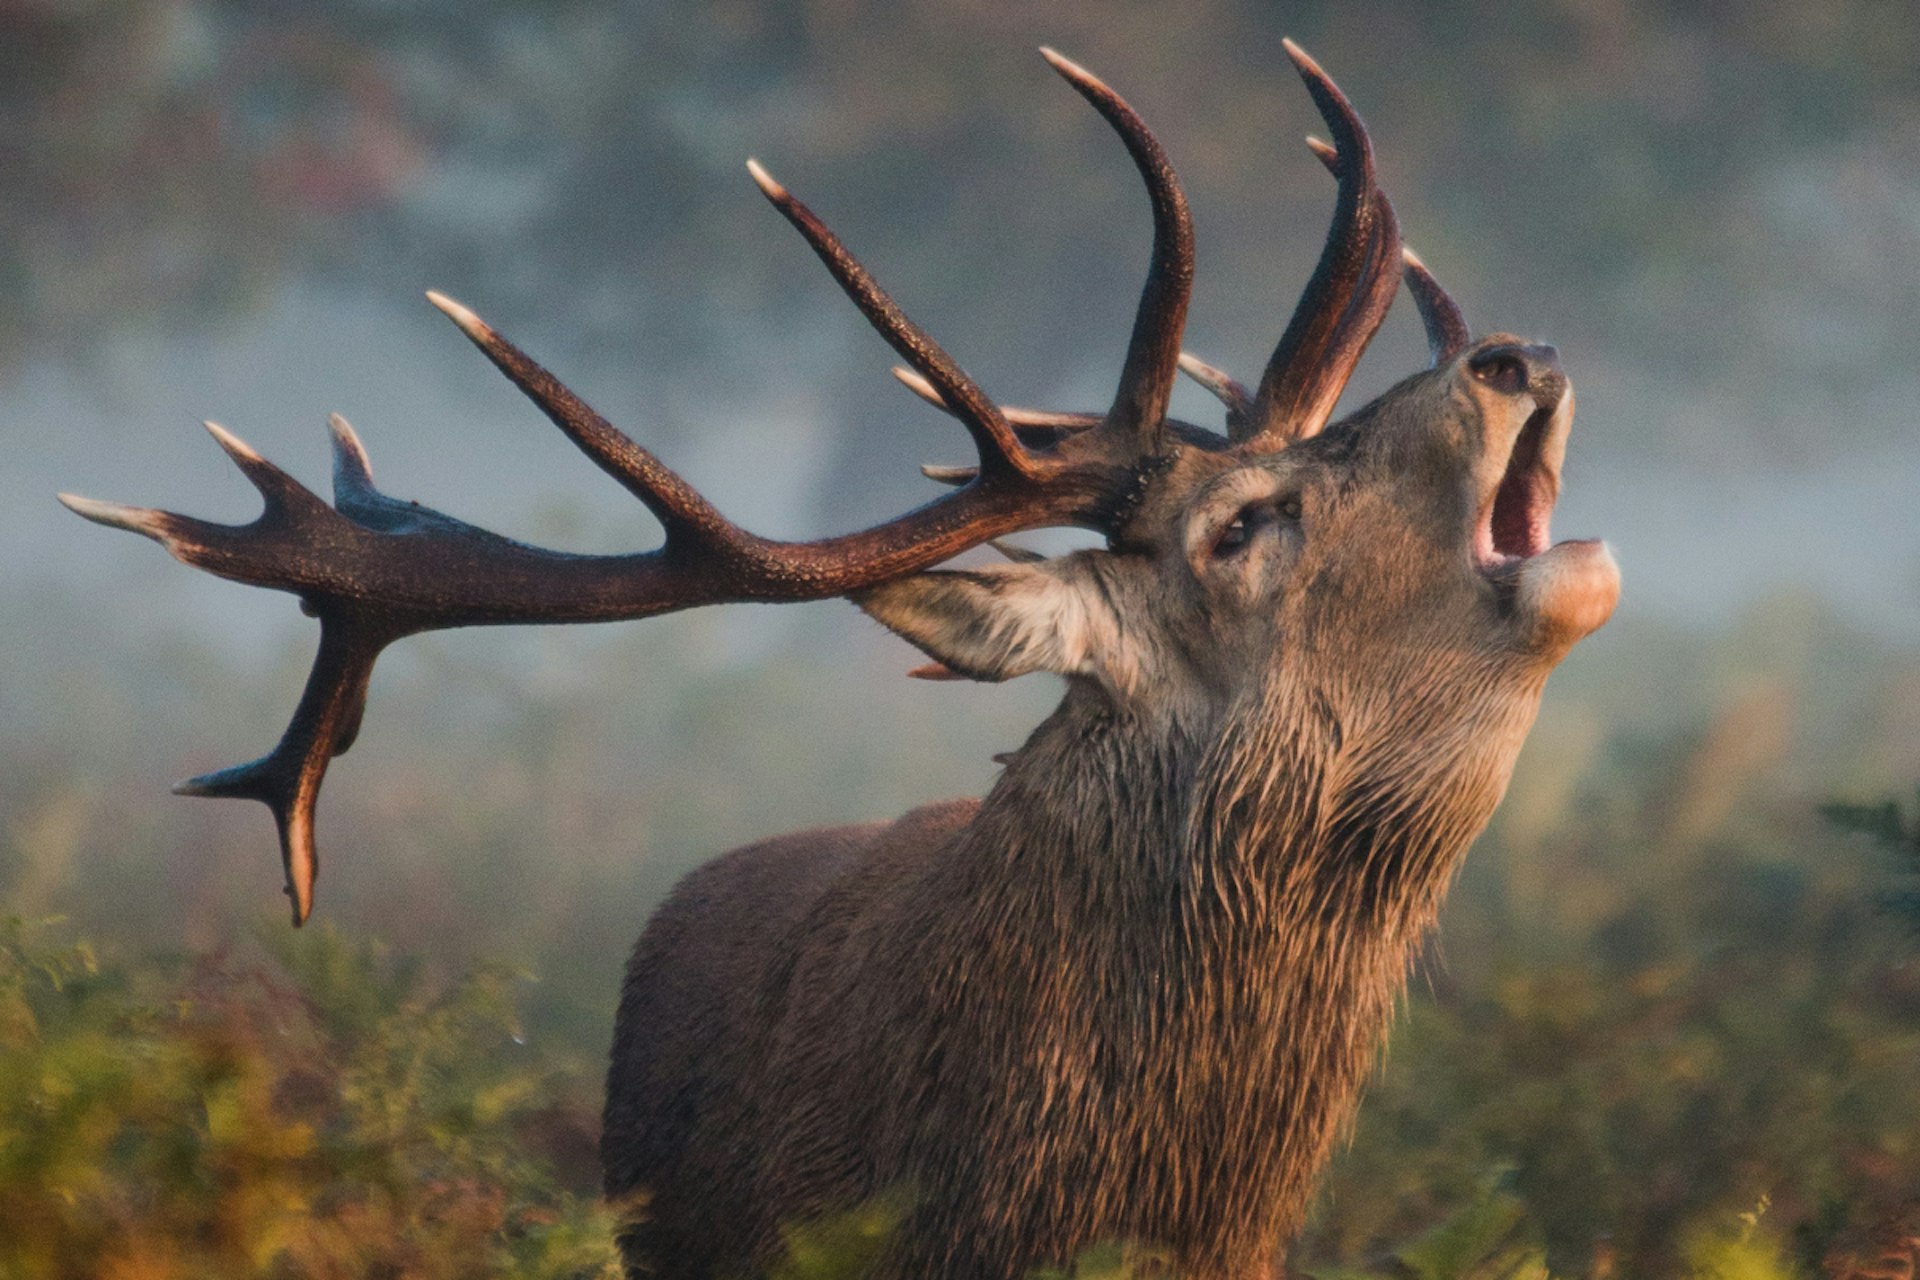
765,181
919,385
349,453
470,324
1072,70
114,515
236,448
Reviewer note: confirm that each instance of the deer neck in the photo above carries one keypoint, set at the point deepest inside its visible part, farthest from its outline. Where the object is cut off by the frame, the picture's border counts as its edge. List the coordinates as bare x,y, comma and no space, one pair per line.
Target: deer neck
1282,812
1223,912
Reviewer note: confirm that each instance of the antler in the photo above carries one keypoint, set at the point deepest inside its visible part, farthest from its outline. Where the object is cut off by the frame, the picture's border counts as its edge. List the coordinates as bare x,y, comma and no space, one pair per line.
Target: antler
1445,323
1348,296
375,569
1440,315
1153,351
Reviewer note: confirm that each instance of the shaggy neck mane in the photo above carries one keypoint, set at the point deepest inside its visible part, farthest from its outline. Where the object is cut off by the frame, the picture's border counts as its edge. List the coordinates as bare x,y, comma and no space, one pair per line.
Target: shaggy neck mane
1205,928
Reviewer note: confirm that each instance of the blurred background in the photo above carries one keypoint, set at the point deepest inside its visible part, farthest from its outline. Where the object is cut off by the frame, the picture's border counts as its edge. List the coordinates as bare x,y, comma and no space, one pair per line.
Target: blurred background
1674,1009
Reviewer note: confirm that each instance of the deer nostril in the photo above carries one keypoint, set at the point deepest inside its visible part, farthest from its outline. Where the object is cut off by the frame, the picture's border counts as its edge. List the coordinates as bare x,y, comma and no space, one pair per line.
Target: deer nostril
1501,368
1518,370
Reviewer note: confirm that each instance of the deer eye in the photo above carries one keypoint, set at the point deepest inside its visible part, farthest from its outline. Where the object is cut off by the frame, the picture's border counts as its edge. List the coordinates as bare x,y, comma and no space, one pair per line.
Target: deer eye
1233,537
1251,519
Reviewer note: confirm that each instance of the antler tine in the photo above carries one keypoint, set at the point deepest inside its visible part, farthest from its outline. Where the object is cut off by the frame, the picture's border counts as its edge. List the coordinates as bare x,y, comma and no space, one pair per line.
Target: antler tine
1352,286
1153,352
161,526
676,504
287,779
955,476
1000,450
1222,384
1046,423
1445,323
280,491
1440,315
352,469
1326,153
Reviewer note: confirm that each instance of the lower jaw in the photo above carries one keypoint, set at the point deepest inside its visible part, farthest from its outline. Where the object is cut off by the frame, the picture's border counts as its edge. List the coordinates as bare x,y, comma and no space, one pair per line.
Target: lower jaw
1566,592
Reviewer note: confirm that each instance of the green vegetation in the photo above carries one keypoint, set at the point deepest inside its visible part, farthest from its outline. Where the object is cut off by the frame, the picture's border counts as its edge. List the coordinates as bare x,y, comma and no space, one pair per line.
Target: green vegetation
1667,990
1887,826
323,1115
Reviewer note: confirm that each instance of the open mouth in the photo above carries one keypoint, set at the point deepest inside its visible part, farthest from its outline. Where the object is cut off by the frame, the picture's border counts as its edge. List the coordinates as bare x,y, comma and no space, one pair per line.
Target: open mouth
1514,523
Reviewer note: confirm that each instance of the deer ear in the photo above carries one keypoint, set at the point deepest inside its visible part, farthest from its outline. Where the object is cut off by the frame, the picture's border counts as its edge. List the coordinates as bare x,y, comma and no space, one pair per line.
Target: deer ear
1005,621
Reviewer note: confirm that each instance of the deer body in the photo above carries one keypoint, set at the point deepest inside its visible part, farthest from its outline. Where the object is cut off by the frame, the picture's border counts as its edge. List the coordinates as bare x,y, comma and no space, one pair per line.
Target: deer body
1120,995
1133,993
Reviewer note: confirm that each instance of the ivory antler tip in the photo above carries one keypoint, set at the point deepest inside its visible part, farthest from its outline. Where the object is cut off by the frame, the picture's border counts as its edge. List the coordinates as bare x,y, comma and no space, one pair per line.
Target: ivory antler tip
115,515
236,448
470,324
765,181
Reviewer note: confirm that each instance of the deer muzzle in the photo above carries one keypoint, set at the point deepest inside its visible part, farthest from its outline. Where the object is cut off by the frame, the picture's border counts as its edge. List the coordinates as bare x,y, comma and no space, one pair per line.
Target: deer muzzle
1564,591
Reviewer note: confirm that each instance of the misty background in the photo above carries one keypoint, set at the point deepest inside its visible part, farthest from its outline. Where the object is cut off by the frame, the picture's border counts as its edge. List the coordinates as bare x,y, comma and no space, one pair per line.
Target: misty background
230,211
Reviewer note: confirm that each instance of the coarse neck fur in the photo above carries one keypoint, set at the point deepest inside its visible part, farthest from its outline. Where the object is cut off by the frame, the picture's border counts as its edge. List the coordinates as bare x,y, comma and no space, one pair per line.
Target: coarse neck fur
1187,936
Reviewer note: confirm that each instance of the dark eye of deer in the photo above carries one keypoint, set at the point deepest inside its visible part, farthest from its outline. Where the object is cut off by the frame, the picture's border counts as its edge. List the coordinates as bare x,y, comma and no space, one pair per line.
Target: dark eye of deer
1236,535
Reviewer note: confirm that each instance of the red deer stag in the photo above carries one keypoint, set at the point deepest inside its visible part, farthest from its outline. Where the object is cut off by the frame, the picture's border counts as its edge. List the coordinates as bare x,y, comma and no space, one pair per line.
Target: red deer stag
1133,993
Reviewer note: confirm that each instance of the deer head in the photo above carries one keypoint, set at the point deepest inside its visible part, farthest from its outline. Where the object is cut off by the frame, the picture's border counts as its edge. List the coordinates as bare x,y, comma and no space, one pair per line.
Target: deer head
1393,568
1409,538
